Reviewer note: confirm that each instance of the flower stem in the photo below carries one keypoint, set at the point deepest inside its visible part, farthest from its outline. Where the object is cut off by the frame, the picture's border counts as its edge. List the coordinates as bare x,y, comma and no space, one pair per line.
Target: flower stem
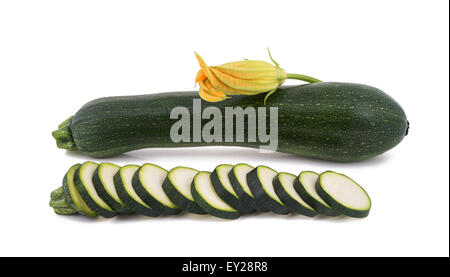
293,76
303,78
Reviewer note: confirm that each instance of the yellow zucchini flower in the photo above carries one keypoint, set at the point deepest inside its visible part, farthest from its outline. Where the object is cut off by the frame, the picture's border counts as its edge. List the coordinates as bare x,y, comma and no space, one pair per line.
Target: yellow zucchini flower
248,77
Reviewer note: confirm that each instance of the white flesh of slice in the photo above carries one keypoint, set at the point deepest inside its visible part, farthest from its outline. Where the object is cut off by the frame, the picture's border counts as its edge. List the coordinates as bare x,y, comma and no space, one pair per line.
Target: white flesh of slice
152,178
206,190
345,191
241,172
75,194
106,173
222,173
181,178
287,181
87,170
308,179
127,173
265,176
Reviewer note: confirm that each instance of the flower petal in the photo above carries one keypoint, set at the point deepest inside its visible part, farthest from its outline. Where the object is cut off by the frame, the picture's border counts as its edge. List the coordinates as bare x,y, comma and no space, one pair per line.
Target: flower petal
248,65
210,98
246,77
200,76
247,74
206,85
255,85
216,83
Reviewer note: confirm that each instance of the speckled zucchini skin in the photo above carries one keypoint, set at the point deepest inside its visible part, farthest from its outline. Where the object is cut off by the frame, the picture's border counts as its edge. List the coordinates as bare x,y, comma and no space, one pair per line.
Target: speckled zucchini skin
332,121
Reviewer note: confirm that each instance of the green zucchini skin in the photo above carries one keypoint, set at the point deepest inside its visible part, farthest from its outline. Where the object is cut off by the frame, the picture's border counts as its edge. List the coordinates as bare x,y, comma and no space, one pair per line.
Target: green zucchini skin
319,207
263,202
240,205
104,195
179,200
88,199
289,201
149,199
326,120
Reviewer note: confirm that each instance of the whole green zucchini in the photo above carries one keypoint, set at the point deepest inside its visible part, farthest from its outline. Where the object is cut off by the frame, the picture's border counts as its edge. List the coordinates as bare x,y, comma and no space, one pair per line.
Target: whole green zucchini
326,120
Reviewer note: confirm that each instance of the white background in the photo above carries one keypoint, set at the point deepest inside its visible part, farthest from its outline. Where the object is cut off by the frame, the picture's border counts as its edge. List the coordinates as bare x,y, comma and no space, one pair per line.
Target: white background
57,55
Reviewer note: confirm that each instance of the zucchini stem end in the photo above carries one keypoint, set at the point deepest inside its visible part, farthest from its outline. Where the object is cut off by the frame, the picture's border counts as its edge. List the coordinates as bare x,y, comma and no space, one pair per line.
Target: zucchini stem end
63,136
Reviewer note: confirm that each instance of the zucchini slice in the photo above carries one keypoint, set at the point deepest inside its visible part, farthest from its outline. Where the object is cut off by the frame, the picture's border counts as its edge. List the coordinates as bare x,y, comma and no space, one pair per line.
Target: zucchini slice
260,181
103,180
207,198
83,182
177,187
147,182
73,196
124,187
343,194
305,186
283,185
223,187
238,180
